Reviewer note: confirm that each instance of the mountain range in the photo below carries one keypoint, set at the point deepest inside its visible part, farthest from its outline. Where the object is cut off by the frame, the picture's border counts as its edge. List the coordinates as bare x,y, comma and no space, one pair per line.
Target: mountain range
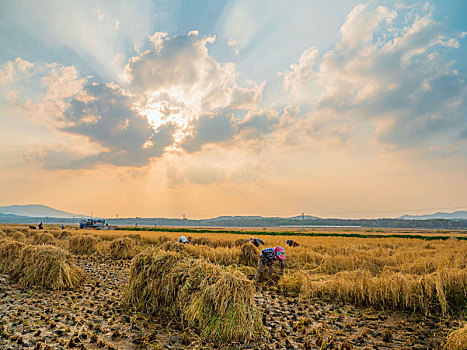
36,210
39,210
438,215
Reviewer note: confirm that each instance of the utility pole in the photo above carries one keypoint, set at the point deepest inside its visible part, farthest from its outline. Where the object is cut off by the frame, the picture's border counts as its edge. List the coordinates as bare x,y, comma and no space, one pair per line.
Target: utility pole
303,222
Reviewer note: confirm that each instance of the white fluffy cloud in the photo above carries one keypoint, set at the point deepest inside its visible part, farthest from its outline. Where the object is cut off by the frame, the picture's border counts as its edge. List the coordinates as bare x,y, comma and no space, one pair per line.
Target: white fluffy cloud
106,115
173,88
395,76
181,68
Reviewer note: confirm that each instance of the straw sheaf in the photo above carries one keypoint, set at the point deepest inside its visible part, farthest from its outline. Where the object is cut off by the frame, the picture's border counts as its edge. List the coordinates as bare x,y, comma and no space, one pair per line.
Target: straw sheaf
48,267
15,235
249,255
10,251
457,340
83,244
122,248
215,301
43,238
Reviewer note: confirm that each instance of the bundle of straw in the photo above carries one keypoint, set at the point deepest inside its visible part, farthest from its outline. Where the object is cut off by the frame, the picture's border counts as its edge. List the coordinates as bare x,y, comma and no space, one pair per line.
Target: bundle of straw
457,340
249,255
241,241
122,248
47,267
83,244
64,235
43,238
15,235
10,251
215,301
173,245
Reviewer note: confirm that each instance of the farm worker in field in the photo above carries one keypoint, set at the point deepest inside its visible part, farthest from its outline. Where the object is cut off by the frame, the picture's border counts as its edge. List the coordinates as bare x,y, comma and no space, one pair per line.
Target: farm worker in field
291,243
256,241
40,226
63,226
183,239
267,258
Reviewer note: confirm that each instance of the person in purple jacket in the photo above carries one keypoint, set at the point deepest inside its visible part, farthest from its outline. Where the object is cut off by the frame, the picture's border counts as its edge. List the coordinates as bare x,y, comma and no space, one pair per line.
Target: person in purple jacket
267,258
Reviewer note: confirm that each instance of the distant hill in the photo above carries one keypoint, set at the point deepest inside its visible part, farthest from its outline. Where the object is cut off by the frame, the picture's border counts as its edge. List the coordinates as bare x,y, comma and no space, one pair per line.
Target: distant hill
221,218
305,217
438,215
36,210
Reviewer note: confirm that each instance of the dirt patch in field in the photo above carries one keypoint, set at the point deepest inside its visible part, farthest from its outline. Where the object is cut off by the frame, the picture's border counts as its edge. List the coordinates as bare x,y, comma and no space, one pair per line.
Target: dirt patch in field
94,319
292,324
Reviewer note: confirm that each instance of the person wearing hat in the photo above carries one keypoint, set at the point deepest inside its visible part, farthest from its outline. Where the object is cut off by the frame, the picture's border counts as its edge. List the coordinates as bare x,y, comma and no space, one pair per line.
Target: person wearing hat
255,241
267,258
291,243
183,239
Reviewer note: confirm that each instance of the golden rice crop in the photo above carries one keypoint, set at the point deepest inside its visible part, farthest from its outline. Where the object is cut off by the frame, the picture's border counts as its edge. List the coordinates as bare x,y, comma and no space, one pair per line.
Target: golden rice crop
219,255
83,244
215,301
214,243
199,241
122,248
48,267
162,239
241,241
443,291
10,251
407,273
457,340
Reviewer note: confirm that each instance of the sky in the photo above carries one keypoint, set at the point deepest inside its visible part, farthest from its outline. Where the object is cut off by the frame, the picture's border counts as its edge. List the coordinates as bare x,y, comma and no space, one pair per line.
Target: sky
339,108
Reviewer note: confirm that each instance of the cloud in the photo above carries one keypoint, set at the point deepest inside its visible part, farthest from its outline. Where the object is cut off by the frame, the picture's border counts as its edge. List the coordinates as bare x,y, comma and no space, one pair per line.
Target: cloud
209,129
258,124
103,116
301,73
396,76
106,115
181,68
223,127
204,175
13,71
39,90
185,86
174,87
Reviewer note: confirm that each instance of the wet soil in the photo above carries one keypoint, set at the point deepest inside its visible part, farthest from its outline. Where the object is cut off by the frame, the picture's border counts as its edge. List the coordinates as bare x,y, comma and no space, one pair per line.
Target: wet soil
93,318
320,325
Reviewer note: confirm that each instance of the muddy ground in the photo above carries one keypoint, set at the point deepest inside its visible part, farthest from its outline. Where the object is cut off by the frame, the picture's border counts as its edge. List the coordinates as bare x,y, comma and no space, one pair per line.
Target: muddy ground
94,319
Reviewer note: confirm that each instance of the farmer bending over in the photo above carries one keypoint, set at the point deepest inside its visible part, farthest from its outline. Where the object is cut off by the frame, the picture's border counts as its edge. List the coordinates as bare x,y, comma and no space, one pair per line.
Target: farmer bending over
291,243
267,258
183,239
255,241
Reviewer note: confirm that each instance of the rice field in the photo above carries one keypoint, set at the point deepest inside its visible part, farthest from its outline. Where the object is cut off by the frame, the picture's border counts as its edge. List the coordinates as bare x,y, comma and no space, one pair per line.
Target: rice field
127,290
